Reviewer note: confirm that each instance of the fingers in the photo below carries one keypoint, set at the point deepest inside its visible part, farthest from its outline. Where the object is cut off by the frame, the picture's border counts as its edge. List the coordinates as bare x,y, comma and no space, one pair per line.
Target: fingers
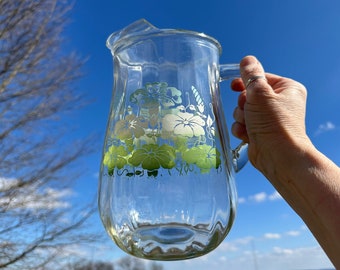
252,75
239,115
239,128
237,85
260,94
240,131
253,79
242,98
250,67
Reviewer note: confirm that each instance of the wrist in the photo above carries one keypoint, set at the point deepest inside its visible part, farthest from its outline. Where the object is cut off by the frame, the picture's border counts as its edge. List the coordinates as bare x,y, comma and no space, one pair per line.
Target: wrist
285,157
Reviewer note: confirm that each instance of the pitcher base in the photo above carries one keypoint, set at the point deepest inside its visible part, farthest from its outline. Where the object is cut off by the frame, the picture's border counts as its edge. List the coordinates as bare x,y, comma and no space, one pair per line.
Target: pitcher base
173,241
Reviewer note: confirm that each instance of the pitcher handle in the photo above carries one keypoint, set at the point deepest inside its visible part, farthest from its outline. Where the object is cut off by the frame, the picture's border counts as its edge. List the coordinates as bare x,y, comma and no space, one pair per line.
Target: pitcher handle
240,153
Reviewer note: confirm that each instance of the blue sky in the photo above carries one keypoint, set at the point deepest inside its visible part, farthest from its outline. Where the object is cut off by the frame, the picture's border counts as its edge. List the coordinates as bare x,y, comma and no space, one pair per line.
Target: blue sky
297,39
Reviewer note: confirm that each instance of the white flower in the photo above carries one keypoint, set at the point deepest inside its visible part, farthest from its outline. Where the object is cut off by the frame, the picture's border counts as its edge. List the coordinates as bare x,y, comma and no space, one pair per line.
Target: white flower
183,123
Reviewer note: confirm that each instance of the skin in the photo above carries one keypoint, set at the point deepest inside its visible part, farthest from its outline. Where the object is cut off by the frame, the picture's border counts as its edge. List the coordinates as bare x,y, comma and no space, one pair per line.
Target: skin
270,116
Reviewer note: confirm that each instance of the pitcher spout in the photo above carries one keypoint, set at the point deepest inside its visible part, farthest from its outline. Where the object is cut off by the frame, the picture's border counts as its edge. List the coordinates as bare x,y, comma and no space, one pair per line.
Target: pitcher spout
135,29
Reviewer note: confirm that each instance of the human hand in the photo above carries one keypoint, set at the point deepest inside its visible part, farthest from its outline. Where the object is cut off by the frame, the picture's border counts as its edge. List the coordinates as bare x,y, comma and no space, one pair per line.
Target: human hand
270,115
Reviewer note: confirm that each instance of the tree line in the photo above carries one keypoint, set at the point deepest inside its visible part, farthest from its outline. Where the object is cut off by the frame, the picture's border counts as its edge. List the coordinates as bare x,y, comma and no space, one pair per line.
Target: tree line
39,161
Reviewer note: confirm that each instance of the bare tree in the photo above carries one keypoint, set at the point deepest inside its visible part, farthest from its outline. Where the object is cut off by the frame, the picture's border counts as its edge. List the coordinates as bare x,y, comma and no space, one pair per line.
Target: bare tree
91,266
156,266
124,263
132,263
37,158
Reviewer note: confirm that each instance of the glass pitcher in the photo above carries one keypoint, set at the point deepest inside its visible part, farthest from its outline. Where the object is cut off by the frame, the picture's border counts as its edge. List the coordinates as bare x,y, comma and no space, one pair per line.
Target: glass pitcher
166,188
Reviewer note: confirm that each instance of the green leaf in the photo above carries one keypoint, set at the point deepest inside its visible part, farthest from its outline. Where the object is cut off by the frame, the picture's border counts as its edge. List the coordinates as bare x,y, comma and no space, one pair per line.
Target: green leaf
204,156
115,157
152,156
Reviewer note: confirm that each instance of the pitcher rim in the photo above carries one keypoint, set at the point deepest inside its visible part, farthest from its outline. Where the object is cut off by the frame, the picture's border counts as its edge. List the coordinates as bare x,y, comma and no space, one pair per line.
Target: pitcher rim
115,43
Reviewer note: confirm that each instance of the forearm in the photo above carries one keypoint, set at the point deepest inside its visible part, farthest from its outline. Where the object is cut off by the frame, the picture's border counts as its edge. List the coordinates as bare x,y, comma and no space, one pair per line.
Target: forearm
310,183
270,116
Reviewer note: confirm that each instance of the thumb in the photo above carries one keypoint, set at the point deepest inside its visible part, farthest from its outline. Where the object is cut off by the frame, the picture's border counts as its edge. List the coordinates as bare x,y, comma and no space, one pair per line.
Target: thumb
253,76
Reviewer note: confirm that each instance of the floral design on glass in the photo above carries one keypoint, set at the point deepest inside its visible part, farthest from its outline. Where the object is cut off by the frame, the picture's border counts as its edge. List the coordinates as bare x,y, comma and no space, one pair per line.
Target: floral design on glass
163,128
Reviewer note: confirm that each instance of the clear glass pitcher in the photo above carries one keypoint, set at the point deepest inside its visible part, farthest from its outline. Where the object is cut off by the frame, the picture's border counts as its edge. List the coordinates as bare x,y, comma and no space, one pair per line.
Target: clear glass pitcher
166,188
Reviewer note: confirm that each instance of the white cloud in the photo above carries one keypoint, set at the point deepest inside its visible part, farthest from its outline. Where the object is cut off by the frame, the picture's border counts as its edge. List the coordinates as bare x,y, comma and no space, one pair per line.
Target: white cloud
304,227
275,196
235,245
228,246
241,200
328,126
261,197
32,198
272,236
295,258
7,183
244,240
278,258
282,251
293,233
66,251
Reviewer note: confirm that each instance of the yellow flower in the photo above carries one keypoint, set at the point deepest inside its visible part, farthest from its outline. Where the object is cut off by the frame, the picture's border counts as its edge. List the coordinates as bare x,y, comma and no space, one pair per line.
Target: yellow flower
131,126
